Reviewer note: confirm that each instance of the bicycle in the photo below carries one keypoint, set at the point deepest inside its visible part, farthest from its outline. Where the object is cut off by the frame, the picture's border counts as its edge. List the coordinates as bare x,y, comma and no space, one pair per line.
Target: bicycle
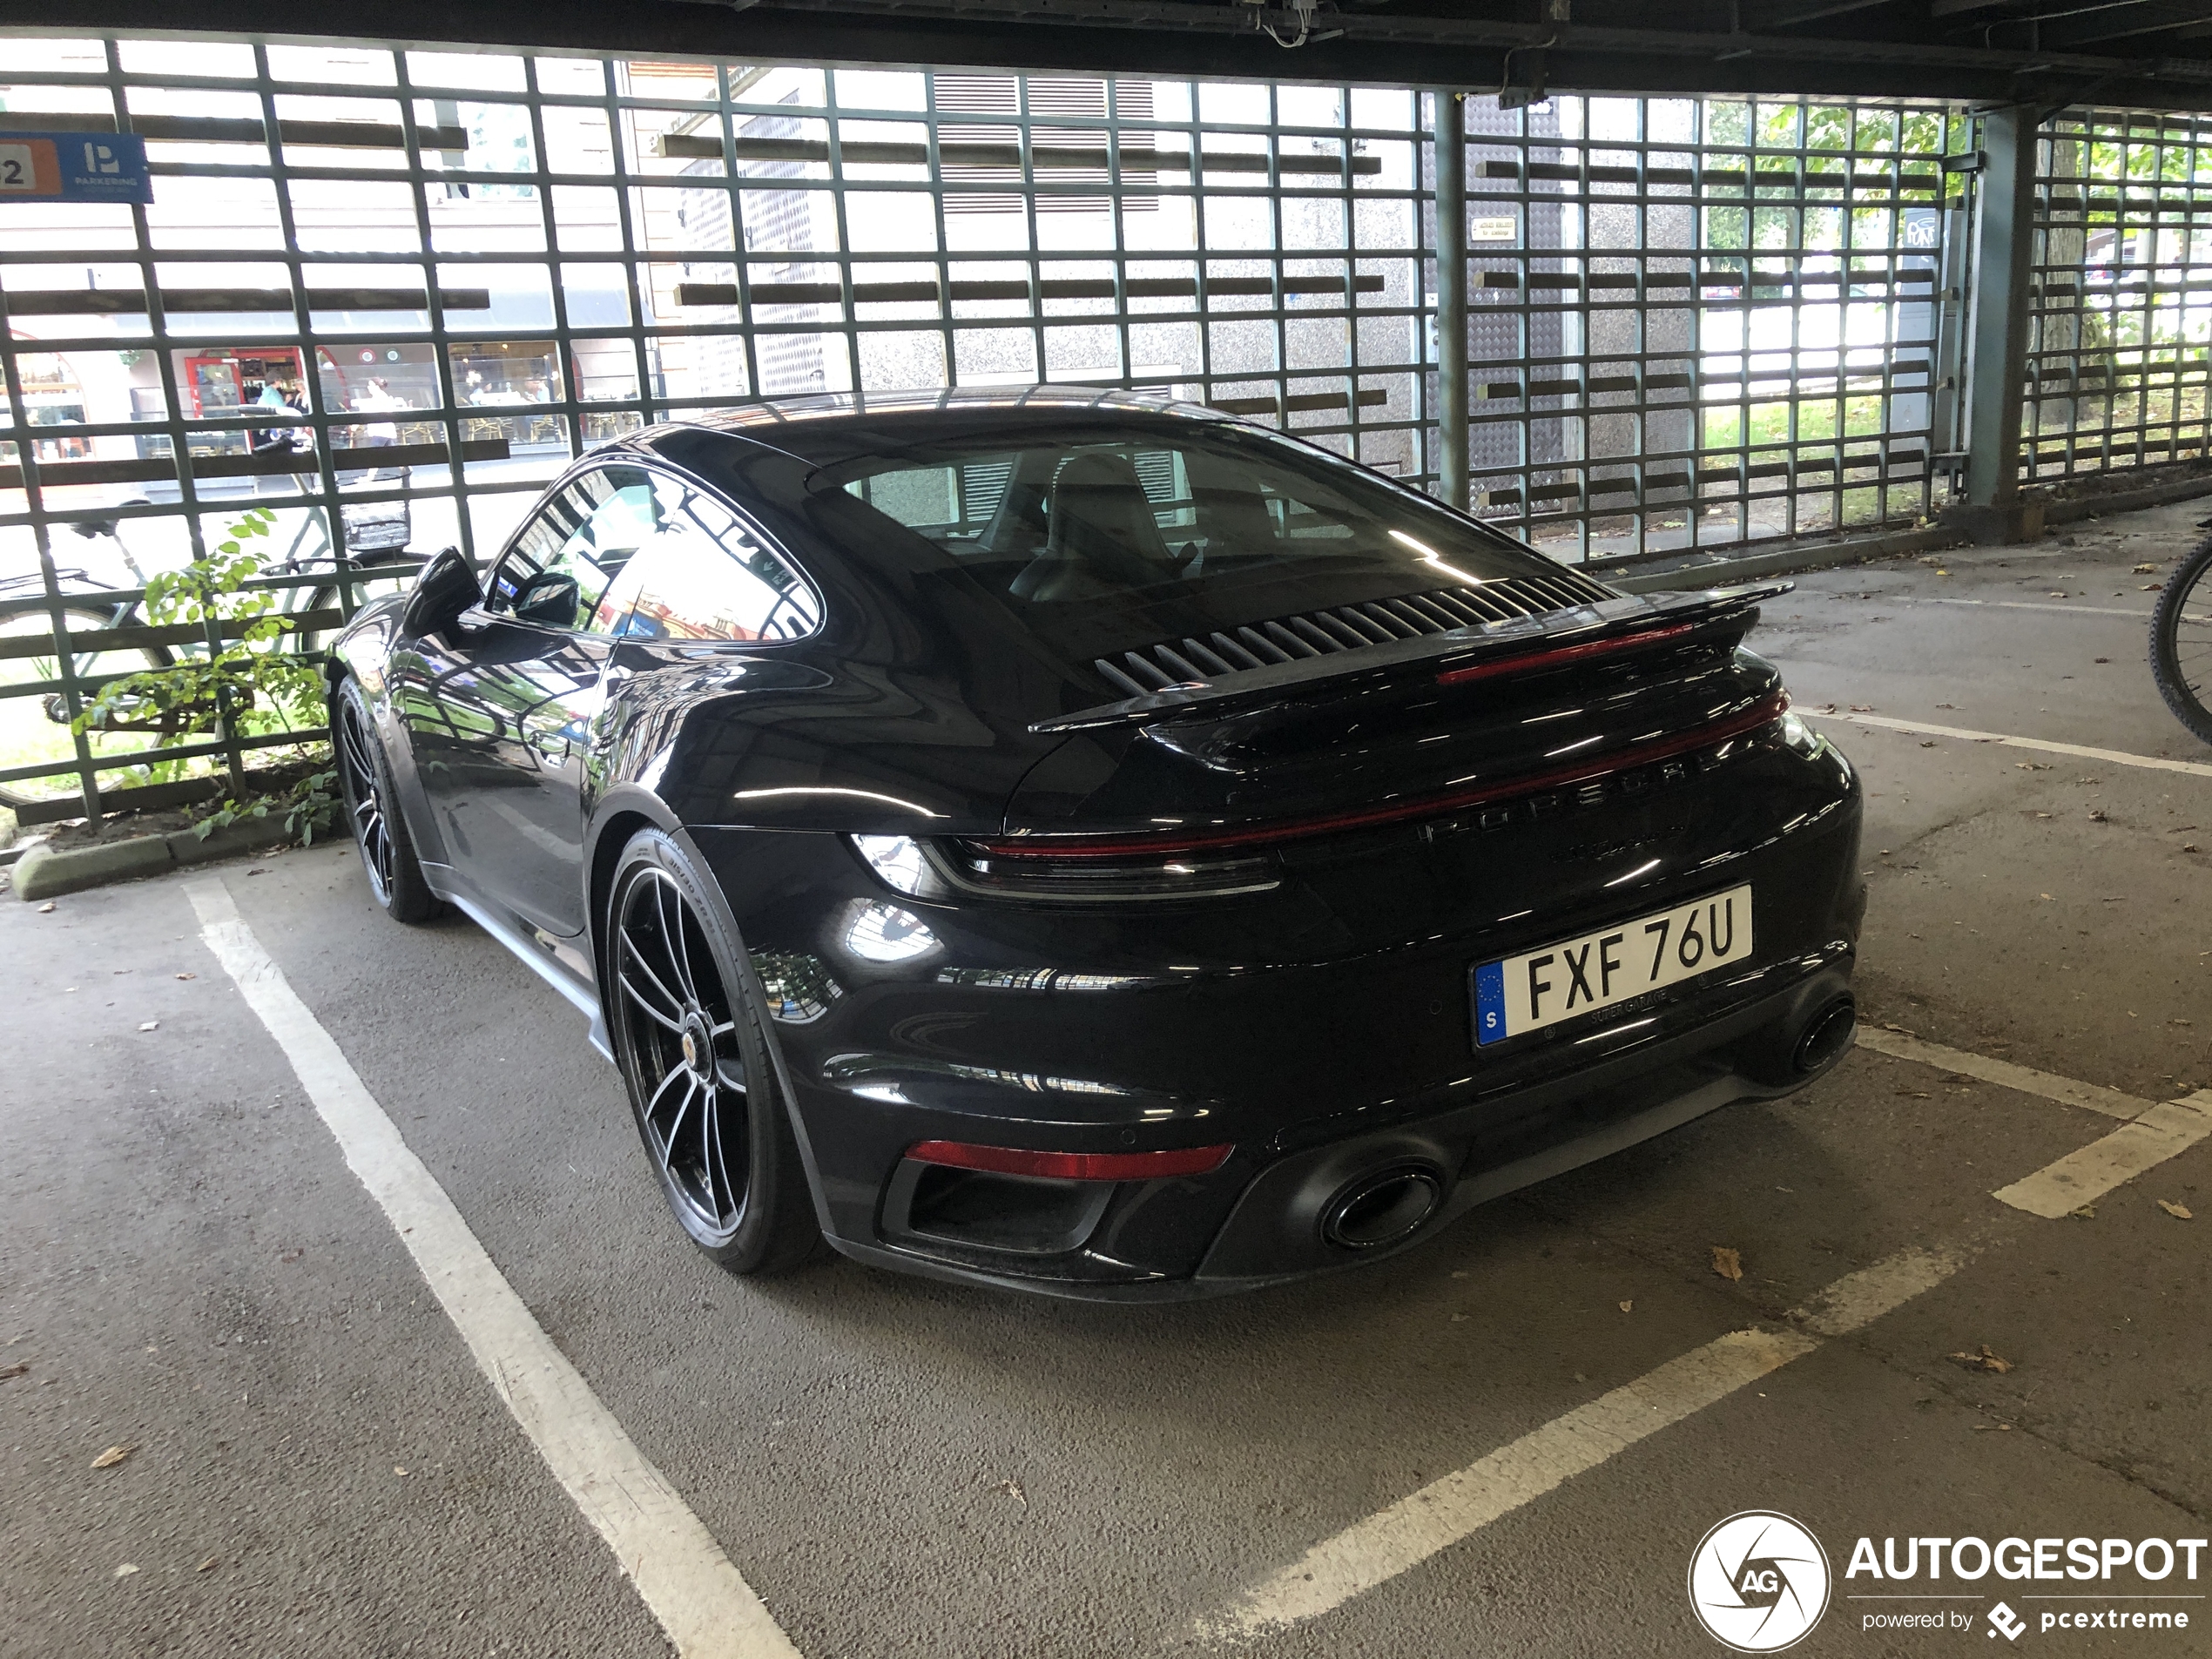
2181,639
34,727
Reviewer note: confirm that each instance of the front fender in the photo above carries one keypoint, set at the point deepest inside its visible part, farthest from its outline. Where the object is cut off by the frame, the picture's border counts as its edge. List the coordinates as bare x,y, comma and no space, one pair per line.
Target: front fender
370,652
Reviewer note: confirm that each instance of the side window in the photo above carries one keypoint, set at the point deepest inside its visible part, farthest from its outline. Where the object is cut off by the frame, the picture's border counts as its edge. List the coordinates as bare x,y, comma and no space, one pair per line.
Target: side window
700,575
557,573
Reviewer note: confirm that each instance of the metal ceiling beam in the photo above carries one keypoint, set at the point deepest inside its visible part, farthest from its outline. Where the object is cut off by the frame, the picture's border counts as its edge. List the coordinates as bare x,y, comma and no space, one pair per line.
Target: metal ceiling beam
2065,33
1180,37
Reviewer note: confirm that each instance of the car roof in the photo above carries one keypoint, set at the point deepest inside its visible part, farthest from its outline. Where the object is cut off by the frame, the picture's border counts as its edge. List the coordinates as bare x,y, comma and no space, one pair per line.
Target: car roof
817,428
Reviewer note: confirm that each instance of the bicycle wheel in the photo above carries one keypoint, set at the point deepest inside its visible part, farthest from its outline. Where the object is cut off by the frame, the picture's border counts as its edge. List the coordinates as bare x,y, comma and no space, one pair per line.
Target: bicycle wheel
2180,641
34,726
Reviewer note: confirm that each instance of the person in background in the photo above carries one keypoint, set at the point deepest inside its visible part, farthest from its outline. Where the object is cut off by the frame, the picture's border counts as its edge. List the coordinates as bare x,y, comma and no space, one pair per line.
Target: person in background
273,437
277,440
377,399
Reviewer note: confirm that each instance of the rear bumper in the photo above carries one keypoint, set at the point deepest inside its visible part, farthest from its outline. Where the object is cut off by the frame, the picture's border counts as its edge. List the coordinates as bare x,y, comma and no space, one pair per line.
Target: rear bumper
1323,1030
1485,1148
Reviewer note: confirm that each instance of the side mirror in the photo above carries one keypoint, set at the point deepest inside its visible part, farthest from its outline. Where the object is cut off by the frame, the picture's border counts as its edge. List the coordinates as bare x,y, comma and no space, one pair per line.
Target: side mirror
550,599
445,589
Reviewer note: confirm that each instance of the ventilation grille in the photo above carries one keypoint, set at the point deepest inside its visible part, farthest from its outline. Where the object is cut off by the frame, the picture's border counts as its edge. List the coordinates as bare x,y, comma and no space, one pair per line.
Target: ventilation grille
1346,628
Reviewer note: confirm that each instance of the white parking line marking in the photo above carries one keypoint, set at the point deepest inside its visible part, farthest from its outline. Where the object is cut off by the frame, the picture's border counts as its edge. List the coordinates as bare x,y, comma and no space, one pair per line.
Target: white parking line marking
2084,1177
686,1580
2026,1080
2032,605
2117,757
1446,1511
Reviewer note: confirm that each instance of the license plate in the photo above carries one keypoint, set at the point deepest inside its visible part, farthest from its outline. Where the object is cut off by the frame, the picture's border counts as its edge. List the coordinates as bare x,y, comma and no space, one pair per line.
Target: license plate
1578,976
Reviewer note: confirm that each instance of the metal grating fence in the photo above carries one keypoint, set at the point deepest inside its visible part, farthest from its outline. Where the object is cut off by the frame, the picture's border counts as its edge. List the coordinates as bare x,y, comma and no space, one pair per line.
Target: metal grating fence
1704,320
386,294
2120,349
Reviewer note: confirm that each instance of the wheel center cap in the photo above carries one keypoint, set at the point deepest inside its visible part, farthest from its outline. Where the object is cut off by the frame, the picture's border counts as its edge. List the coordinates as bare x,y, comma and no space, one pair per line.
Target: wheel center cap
691,1051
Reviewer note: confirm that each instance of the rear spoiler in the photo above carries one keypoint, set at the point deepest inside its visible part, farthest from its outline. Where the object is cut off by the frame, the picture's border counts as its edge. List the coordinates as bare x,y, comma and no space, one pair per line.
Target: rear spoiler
1461,654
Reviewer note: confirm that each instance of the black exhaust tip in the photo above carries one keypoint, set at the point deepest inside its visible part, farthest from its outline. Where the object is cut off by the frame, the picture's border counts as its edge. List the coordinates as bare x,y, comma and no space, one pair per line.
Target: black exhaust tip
1382,1209
1826,1036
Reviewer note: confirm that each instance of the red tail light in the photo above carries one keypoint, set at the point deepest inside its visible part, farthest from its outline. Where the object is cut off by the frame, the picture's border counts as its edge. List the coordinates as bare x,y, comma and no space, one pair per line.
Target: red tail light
1071,1166
1766,710
1561,656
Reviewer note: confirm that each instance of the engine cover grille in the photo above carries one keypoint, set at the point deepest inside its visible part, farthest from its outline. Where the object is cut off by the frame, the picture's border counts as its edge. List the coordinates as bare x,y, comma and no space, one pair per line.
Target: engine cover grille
1345,628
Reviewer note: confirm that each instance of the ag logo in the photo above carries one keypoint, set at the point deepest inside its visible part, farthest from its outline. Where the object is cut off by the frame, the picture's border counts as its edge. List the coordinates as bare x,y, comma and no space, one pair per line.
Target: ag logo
1758,1581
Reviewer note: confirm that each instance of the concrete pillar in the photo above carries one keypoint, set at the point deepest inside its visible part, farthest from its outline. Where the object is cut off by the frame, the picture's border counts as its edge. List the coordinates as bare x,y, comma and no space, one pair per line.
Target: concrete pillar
1995,508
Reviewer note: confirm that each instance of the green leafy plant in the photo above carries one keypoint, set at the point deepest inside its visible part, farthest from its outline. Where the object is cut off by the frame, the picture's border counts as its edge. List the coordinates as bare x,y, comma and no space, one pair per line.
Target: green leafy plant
247,669
310,808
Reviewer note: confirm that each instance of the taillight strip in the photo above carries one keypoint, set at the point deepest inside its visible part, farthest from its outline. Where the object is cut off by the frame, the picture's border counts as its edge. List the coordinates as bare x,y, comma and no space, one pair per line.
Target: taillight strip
1560,656
1765,711
1071,1166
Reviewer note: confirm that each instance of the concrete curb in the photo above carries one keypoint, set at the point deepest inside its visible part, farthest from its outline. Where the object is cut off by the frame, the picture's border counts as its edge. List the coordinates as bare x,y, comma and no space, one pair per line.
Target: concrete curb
1664,572
1716,571
46,870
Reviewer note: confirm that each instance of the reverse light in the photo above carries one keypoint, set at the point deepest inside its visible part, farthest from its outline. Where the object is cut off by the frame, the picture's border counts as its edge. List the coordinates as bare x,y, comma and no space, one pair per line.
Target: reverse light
1071,1166
897,860
1798,735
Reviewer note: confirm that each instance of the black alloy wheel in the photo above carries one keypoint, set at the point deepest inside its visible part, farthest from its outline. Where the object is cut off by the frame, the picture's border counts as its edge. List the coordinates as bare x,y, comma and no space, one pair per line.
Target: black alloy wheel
700,1081
395,877
365,801
2180,641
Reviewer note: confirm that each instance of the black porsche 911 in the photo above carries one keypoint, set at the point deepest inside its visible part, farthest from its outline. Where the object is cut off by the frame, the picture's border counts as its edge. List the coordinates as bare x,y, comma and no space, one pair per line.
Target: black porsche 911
1080,843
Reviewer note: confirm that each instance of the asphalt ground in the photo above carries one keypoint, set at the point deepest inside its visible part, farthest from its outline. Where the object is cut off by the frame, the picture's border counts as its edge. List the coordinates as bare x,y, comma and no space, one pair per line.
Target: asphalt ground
318,1466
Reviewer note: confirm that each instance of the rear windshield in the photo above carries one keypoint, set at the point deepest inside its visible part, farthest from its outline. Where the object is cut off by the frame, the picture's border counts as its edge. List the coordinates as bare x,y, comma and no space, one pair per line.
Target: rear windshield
1102,539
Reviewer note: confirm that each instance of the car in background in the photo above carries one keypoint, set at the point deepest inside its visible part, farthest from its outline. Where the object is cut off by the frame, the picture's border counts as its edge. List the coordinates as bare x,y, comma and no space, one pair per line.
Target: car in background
1067,841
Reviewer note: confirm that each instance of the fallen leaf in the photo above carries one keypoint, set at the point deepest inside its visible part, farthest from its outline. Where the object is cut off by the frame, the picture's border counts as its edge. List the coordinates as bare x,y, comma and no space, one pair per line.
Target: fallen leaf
1628,1307
397,1470
1727,1263
2145,570
187,976
2101,659
2179,1211
1916,1094
2084,1212
150,1025
2189,847
2046,895
46,908
1459,1319
113,1456
1930,744
1983,1361
126,1570
211,1563
1012,1489
2097,815
1862,708
8,1373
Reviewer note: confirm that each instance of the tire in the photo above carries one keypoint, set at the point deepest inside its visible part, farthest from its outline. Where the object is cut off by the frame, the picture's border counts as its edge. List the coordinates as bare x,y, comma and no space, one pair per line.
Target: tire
395,877
693,1050
2180,641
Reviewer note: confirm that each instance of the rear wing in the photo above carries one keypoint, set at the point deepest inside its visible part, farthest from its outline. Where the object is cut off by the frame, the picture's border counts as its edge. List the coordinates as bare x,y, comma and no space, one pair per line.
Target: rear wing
1526,643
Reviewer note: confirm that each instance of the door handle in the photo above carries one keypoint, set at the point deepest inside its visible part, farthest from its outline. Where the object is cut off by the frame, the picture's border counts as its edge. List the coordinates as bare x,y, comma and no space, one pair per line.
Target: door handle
551,744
